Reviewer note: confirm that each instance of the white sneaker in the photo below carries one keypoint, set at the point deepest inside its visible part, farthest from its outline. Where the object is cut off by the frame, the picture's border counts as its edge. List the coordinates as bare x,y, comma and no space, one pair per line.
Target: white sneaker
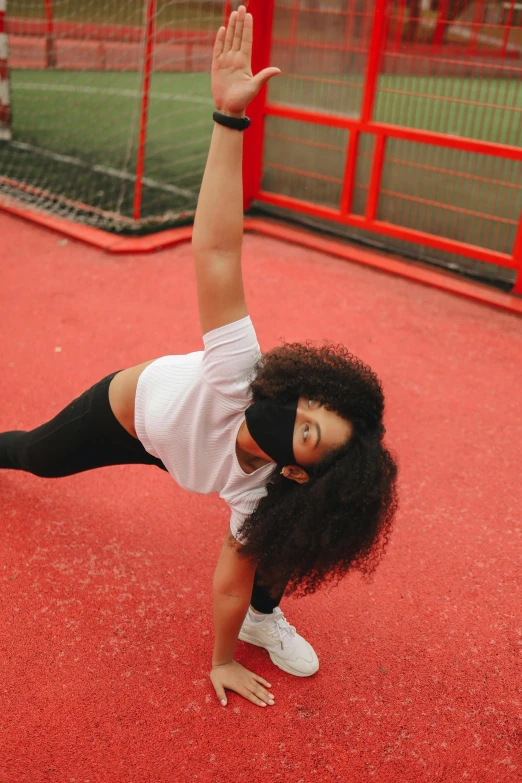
286,648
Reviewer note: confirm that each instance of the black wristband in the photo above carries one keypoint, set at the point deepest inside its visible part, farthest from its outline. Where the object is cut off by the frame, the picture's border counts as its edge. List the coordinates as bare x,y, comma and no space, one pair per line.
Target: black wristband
237,123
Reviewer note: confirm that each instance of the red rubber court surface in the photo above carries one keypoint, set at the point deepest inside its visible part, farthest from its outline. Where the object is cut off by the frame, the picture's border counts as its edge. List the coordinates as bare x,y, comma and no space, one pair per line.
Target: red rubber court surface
106,599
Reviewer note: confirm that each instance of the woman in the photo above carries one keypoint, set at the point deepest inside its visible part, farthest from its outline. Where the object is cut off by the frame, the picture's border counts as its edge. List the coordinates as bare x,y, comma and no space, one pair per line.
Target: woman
291,440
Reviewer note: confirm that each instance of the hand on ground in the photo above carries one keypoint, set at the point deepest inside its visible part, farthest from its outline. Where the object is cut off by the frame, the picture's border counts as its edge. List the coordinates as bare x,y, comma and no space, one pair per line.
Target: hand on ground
236,678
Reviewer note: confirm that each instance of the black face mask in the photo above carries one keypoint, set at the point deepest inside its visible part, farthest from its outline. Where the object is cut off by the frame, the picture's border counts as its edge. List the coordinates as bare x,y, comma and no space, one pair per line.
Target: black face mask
271,425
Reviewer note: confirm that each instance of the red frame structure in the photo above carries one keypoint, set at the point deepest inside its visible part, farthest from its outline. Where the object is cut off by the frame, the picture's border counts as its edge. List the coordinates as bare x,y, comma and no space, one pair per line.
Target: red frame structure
262,108
263,11
147,67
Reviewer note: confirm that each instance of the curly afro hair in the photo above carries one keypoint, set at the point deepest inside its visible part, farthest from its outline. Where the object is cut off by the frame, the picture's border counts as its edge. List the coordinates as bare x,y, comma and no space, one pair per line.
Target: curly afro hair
303,536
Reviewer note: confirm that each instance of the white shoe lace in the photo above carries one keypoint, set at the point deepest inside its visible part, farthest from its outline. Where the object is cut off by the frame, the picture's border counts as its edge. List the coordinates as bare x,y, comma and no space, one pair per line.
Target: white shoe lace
282,626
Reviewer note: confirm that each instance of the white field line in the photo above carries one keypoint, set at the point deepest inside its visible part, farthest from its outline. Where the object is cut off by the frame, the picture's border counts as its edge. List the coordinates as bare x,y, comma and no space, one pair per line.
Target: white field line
161,96
151,183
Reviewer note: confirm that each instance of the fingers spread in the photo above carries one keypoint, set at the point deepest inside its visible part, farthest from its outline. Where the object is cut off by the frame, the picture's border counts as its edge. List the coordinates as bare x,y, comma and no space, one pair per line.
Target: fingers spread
256,694
264,696
229,38
246,42
262,681
238,34
220,40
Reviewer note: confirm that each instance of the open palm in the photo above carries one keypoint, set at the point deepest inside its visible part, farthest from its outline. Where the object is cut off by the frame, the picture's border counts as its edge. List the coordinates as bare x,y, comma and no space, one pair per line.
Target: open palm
233,84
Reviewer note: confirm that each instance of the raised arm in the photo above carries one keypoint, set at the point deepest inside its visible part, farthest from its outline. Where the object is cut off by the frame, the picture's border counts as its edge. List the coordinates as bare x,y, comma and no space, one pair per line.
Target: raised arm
218,225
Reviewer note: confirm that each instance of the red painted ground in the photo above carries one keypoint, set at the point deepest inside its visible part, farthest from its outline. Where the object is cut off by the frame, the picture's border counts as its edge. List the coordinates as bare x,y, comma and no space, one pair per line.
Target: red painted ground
105,602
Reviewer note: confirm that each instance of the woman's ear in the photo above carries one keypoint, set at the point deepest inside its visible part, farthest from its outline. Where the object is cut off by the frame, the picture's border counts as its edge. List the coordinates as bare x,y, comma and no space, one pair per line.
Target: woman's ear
295,473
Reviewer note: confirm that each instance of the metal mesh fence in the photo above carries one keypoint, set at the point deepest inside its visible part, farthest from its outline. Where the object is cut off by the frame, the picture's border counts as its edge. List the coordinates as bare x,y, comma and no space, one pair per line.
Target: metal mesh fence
84,137
400,114
396,122
451,193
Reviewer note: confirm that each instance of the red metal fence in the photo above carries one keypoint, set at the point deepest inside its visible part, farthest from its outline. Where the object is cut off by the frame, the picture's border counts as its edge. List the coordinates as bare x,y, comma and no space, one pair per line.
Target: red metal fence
49,43
75,64
395,122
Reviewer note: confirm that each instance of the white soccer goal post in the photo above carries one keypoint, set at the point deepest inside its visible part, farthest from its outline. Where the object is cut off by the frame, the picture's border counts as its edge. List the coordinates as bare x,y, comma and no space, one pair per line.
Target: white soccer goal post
5,103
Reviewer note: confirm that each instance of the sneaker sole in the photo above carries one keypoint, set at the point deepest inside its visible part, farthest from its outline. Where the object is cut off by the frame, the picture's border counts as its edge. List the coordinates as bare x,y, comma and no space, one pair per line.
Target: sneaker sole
282,664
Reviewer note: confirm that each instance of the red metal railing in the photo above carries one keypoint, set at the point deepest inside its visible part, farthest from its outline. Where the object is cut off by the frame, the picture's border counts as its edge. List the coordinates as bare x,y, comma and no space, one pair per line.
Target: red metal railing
147,67
95,31
71,45
407,126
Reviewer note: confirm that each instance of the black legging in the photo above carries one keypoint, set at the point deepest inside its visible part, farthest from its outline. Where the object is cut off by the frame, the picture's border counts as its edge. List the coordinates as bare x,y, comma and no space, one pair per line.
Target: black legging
84,436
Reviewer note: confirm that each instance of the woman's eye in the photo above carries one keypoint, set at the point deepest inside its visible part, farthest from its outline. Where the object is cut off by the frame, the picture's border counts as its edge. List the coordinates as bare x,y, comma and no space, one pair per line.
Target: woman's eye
306,431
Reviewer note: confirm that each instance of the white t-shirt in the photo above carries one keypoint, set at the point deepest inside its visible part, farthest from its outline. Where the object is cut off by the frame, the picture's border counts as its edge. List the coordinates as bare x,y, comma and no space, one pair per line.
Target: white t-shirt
188,412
